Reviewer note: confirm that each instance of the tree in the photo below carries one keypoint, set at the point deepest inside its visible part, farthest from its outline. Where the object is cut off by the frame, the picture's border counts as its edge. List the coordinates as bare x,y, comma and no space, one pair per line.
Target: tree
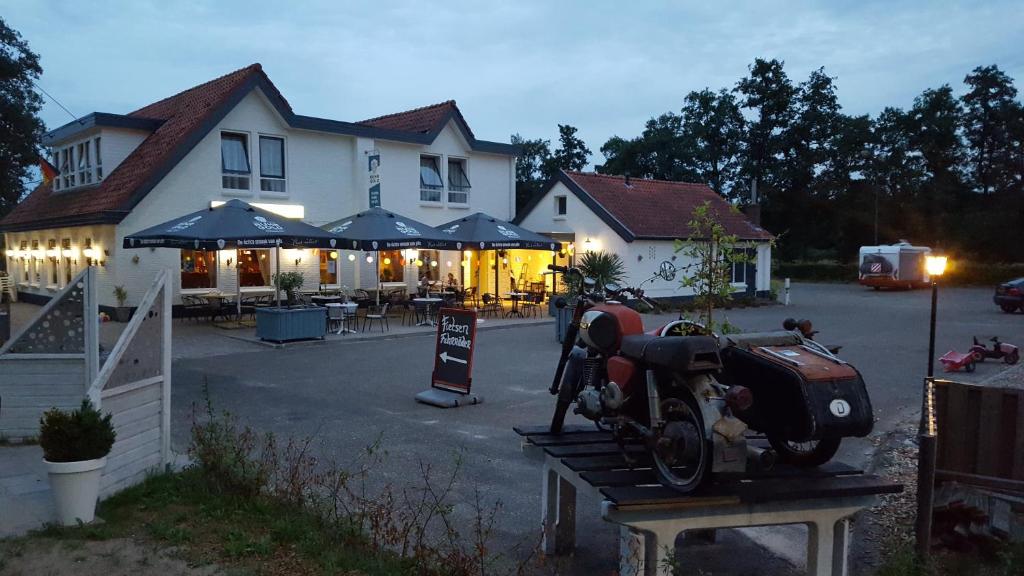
572,153
713,128
934,120
989,108
768,93
20,127
712,252
534,156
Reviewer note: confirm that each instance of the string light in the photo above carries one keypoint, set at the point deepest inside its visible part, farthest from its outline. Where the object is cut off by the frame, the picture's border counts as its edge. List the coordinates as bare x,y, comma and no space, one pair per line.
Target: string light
351,257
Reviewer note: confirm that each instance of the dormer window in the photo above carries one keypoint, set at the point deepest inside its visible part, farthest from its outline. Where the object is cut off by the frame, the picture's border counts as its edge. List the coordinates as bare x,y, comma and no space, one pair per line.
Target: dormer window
78,164
430,179
234,161
458,182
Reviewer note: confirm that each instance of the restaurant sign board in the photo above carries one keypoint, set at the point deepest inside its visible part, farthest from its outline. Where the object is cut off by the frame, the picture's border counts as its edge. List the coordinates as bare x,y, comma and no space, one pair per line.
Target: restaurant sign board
453,356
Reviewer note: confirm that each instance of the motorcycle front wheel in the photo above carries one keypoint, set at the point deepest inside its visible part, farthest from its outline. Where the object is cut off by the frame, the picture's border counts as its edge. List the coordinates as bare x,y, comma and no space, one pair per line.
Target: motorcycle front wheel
805,454
681,454
566,396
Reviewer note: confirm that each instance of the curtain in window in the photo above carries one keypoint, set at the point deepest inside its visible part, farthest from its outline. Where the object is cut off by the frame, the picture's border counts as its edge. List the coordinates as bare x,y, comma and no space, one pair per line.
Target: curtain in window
271,157
430,173
234,156
457,176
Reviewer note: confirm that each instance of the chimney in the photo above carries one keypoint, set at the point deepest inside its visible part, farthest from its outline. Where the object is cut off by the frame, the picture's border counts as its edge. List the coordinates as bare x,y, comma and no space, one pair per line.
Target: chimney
753,209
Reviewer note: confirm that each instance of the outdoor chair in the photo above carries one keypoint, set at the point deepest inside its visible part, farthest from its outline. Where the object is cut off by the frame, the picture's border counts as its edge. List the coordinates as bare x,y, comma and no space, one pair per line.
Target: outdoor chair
531,303
375,314
410,313
193,308
338,319
492,305
472,296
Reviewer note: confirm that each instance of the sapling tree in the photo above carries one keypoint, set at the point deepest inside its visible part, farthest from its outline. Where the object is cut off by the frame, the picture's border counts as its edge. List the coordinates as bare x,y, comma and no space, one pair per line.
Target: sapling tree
712,252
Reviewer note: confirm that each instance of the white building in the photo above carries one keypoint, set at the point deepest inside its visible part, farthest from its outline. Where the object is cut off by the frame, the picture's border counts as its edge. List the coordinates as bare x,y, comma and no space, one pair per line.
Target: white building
237,137
640,220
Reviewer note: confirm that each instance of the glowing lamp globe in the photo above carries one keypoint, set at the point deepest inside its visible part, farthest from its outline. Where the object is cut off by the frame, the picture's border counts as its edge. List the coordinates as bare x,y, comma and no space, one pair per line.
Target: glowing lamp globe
935,265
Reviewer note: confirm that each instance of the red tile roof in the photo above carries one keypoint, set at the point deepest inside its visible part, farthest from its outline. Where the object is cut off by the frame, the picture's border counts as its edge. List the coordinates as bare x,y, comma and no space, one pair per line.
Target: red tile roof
659,208
421,120
182,115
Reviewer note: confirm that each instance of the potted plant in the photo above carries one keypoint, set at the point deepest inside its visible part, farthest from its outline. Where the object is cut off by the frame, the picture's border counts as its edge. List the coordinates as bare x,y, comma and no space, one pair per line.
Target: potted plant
122,313
75,447
289,282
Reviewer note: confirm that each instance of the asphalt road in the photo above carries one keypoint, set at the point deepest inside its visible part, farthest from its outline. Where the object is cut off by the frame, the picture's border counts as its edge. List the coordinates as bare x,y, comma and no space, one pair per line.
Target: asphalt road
350,394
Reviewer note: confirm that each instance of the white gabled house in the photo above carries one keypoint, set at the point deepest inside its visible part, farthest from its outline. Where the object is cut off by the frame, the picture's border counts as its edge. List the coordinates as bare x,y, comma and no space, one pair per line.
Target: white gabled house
237,137
640,220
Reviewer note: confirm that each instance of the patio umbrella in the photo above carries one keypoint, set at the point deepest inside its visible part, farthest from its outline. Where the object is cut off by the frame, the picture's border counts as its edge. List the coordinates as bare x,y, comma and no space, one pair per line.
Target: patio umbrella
377,229
490,233
232,225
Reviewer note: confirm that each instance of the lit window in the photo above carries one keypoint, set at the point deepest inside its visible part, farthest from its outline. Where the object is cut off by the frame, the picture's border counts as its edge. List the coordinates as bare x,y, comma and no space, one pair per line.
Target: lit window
67,167
271,164
234,161
25,260
198,269
430,179
254,267
559,205
328,267
54,263
458,182
82,151
65,251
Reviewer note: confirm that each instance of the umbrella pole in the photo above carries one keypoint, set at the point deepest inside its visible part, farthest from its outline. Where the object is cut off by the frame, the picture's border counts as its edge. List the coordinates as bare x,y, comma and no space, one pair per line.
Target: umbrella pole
497,279
376,267
238,288
277,284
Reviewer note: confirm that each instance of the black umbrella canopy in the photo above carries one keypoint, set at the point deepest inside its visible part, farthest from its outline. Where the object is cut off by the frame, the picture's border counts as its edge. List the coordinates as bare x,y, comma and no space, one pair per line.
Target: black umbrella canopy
379,229
489,233
232,225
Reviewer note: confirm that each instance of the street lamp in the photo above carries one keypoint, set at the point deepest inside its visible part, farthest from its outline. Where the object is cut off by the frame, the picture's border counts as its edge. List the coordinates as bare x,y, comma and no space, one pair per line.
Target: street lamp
926,440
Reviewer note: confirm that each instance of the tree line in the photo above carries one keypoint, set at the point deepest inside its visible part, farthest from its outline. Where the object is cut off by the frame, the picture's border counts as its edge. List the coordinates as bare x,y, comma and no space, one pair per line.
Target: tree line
947,172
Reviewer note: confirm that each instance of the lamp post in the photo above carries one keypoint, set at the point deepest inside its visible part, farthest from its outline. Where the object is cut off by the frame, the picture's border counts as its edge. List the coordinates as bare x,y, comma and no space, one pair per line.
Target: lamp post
926,433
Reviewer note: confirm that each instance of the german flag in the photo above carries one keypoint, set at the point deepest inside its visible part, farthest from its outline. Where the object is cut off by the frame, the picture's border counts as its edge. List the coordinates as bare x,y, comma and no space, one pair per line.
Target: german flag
49,170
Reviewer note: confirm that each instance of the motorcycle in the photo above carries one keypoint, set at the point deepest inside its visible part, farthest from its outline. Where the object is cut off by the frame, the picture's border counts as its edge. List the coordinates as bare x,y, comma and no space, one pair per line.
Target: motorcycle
689,397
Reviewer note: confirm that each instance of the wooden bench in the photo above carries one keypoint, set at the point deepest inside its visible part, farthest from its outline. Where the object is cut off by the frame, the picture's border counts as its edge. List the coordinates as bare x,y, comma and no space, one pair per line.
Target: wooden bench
650,515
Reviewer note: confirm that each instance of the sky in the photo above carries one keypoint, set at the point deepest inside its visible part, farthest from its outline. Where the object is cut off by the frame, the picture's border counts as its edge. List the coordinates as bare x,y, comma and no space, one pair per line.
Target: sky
515,66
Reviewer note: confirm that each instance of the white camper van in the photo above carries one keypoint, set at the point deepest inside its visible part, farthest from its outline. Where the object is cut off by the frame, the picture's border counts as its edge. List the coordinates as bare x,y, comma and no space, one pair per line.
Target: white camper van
897,265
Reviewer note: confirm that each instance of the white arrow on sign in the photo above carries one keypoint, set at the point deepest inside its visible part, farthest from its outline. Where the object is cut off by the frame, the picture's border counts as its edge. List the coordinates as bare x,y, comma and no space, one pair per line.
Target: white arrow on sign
445,358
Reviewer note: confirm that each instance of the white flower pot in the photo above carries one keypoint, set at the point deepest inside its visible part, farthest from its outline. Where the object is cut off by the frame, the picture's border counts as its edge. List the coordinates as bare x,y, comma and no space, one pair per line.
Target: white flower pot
75,486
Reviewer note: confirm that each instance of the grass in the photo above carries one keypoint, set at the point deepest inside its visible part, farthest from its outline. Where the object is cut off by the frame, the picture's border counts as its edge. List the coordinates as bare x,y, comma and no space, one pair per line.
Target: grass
252,534
1007,561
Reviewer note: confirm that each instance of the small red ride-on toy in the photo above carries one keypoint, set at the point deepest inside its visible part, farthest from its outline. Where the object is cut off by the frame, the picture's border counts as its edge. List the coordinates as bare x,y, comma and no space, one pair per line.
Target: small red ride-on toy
1008,352
953,361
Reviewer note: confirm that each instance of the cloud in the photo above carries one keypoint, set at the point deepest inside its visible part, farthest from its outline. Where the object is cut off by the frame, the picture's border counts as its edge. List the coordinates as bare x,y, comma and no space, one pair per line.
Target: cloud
604,67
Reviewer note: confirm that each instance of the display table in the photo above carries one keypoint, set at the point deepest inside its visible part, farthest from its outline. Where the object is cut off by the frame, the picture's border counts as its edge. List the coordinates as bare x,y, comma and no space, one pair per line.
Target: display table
284,324
650,515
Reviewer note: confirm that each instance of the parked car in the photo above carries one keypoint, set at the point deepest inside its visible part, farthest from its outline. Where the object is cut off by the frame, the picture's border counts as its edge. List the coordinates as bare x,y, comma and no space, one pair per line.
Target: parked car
1010,295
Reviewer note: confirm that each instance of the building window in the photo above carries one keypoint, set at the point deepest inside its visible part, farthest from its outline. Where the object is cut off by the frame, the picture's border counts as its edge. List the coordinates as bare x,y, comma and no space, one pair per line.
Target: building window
234,161
37,262
739,269
198,269
458,182
560,205
52,256
328,267
65,251
254,267
26,259
271,164
430,179
391,266
67,167
99,160
83,153
428,266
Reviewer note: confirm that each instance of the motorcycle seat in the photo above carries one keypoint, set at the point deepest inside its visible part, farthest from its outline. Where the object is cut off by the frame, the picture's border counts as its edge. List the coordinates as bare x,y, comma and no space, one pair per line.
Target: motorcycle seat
687,354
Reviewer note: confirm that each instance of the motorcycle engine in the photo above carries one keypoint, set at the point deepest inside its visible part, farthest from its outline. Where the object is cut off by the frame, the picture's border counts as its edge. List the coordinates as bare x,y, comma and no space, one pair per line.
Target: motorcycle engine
600,330
588,404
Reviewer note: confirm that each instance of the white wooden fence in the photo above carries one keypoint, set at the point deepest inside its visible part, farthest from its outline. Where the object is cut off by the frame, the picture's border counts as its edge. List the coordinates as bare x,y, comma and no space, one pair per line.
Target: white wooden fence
54,362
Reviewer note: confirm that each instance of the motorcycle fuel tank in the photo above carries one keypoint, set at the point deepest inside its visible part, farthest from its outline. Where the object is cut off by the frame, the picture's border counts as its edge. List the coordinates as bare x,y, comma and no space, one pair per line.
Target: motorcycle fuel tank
603,326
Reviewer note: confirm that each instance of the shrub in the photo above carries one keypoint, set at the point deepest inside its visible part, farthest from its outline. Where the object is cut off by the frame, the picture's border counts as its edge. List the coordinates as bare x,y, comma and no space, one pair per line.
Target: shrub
82,434
289,282
121,295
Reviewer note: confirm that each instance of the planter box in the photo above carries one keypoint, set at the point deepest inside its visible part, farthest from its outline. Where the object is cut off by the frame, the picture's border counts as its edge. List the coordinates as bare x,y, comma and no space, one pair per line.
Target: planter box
283,324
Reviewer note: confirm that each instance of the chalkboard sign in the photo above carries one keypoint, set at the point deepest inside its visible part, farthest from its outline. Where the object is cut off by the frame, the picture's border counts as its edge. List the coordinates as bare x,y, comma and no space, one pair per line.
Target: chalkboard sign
453,357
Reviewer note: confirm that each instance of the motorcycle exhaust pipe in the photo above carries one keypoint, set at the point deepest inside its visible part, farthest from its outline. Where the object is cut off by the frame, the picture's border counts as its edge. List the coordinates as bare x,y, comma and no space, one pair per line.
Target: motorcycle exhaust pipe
760,459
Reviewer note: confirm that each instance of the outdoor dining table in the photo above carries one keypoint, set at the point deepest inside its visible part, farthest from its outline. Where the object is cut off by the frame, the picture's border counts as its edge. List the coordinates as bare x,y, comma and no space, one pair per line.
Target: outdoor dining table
516,297
348,310
428,303
323,300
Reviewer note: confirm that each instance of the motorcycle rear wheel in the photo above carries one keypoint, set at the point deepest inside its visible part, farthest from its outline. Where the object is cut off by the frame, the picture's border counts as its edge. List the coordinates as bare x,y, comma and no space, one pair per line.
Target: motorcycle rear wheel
805,454
686,422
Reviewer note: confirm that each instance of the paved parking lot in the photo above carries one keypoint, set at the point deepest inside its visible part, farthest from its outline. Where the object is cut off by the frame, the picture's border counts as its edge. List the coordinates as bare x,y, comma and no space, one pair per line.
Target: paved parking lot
349,394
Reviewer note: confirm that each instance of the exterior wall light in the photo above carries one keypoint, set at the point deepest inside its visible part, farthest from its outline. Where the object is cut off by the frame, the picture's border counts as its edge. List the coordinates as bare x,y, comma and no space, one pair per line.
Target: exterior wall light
588,245
351,257
334,255
387,261
369,259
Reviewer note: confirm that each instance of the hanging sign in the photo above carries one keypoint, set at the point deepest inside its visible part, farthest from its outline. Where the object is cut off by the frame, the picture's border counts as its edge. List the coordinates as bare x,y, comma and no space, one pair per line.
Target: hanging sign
373,170
453,356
